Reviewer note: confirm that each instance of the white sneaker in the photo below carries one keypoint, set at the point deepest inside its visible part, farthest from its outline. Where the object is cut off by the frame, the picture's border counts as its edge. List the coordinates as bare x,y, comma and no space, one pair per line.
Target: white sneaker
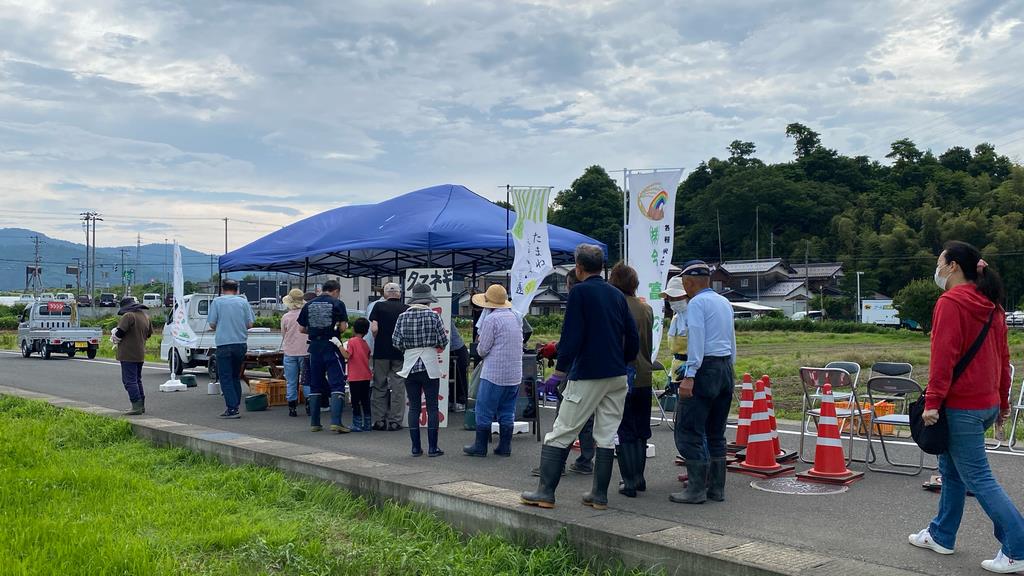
1002,564
924,540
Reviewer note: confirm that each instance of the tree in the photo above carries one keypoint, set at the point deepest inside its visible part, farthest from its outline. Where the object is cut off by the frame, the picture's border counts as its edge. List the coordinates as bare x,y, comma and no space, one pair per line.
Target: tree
916,301
742,153
807,140
591,206
956,159
505,205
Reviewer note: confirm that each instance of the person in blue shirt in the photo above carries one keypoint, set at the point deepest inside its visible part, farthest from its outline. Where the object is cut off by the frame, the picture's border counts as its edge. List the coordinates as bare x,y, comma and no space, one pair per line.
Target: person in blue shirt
599,338
324,319
705,388
230,318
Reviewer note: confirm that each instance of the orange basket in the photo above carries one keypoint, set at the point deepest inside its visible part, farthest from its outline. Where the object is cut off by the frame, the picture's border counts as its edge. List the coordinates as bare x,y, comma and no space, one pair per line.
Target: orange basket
882,408
274,389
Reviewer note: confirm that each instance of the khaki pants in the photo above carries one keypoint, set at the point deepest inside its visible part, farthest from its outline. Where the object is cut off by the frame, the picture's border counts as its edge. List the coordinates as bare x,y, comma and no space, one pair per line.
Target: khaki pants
603,398
389,408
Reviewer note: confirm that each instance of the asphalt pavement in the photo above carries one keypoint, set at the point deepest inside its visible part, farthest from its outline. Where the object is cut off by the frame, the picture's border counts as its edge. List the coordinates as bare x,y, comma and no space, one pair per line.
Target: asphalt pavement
869,522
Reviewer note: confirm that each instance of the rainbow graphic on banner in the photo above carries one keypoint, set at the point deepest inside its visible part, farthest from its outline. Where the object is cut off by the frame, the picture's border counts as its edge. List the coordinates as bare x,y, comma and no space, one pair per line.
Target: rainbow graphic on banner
653,200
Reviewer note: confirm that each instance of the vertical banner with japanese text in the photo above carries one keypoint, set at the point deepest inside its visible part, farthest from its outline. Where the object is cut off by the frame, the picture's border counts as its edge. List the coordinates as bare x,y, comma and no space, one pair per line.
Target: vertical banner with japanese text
651,232
440,282
532,262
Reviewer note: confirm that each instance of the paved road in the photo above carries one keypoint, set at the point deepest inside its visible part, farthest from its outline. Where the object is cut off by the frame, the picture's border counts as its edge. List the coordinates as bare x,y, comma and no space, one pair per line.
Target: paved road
870,522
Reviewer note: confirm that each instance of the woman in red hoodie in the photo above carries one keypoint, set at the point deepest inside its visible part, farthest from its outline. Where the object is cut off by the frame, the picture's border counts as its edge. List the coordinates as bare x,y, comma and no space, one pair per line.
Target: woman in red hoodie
979,397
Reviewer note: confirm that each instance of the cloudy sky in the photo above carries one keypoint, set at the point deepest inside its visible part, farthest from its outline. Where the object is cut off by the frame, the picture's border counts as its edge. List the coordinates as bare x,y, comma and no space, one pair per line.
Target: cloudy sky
165,115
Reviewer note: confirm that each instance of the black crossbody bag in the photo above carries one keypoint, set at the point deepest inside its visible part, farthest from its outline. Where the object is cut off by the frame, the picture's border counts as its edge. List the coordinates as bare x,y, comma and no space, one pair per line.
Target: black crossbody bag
934,439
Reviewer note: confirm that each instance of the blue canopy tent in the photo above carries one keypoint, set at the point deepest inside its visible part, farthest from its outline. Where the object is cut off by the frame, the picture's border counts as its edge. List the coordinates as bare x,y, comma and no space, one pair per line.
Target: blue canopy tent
446,226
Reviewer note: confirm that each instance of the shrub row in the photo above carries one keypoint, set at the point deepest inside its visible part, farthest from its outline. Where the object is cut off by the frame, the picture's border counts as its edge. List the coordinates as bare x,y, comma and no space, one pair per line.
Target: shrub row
786,325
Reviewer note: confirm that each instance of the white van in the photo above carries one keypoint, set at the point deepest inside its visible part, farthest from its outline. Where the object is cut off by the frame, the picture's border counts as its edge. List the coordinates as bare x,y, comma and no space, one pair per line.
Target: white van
64,296
152,300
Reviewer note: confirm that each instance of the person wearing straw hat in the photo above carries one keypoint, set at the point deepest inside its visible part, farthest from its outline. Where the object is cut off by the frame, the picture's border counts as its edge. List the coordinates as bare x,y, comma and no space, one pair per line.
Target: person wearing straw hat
705,391
419,334
501,347
295,346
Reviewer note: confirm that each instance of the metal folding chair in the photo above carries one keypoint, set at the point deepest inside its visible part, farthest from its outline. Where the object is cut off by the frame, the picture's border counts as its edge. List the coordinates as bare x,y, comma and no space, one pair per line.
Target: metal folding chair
1016,411
899,387
658,366
996,442
839,396
812,380
898,369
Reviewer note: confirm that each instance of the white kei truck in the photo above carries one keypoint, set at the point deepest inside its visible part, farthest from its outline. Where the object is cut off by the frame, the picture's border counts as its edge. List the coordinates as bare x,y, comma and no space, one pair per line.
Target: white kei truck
197,308
53,327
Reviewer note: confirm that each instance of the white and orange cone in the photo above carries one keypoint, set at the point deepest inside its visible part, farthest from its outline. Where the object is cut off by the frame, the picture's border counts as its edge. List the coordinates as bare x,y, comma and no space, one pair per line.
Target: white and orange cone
760,452
780,454
829,459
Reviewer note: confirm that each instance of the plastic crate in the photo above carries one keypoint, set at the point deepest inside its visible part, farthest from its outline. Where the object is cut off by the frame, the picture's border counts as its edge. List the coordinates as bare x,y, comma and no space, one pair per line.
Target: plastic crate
882,408
276,390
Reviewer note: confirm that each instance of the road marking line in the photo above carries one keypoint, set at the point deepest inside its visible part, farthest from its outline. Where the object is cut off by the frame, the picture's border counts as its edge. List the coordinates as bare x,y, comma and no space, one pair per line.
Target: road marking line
105,362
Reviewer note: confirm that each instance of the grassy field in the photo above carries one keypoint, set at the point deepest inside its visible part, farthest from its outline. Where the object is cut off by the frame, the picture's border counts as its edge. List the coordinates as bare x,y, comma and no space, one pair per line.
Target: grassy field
80,495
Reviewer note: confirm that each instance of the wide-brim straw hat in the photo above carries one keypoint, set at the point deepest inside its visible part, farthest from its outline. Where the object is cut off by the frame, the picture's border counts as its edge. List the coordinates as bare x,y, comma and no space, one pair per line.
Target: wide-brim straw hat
495,297
293,299
674,288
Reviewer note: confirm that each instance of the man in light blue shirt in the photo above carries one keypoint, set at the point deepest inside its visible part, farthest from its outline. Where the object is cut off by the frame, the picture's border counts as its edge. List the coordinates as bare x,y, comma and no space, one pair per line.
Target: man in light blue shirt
705,391
230,318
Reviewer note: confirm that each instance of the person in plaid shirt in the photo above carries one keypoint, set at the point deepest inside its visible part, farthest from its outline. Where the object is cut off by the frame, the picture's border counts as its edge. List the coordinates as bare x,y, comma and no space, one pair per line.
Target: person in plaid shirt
419,333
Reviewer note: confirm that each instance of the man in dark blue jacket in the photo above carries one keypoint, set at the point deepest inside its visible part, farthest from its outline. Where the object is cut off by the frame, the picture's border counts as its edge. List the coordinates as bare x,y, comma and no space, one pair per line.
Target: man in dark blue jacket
599,338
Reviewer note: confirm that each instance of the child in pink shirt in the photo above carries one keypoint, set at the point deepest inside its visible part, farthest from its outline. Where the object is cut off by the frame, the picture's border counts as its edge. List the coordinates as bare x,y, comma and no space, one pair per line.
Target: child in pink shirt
357,353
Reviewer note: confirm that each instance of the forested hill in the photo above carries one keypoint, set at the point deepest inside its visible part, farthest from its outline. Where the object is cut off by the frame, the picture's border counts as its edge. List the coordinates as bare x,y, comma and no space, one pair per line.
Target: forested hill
887,220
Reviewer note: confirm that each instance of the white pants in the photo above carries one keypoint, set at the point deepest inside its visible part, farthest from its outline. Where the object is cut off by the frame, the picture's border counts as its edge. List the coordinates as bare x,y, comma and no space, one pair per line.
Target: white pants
604,398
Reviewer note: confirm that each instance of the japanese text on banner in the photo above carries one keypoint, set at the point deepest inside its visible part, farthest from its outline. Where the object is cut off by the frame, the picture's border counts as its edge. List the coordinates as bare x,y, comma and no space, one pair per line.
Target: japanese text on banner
532,262
651,230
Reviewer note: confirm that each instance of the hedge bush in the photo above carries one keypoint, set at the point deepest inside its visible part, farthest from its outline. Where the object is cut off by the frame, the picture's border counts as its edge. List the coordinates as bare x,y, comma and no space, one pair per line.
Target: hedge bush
8,322
786,325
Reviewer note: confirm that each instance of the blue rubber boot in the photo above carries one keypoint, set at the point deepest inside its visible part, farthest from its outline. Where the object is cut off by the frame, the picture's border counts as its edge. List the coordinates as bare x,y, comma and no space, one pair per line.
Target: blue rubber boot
337,406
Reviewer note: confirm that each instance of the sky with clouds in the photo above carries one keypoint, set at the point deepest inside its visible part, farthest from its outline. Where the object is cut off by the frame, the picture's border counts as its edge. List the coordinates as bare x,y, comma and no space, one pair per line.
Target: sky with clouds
165,115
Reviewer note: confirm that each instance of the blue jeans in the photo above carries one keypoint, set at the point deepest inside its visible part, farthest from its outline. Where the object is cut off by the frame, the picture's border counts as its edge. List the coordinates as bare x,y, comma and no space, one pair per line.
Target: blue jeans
294,372
326,369
229,372
701,418
131,377
965,467
495,403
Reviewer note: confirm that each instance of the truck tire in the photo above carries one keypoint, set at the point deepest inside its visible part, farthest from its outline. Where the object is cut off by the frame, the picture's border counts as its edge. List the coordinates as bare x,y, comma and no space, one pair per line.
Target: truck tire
91,353
174,359
71,353
211,369
45,352
26,350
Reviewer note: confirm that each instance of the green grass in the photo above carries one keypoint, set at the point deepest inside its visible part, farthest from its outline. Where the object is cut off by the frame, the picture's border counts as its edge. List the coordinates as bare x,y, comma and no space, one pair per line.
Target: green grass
80,495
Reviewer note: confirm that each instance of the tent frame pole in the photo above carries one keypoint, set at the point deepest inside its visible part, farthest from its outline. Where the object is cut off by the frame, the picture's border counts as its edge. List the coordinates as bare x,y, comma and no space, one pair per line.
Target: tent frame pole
305,277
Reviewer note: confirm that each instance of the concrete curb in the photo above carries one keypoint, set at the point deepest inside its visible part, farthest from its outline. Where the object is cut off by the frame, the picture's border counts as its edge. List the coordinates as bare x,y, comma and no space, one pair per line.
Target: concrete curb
606,537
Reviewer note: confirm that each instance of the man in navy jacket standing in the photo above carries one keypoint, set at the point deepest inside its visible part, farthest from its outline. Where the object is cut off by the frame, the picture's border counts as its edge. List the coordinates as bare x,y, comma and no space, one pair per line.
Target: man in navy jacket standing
600,338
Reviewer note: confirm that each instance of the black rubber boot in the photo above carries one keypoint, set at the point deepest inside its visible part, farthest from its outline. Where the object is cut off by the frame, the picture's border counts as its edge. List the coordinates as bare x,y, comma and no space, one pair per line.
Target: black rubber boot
716,480
552,462
504,447
292,405
314,412
627,469
307,405
138,408
479,446
414,435
641,466
696,491
597,498
432,450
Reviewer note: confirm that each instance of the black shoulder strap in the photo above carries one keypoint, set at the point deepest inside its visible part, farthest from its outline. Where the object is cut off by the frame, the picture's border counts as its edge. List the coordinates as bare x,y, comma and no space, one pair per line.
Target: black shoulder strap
973,350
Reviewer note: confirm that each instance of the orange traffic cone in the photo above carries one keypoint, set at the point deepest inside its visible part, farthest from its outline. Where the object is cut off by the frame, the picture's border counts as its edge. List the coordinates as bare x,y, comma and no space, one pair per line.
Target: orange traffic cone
780,454
829,460
760,457
746,408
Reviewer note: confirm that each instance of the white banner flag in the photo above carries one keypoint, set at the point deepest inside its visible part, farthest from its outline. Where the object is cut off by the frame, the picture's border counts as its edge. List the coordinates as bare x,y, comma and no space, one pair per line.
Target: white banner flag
181,332
532,262
651,230
440,282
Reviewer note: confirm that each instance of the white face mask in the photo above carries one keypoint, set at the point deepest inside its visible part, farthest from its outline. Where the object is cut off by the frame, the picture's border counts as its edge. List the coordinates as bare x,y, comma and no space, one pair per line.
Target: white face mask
678,306
940,280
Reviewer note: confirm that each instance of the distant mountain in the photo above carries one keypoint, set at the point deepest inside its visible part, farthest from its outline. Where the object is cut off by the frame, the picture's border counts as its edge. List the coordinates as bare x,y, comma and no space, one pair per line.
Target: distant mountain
17,251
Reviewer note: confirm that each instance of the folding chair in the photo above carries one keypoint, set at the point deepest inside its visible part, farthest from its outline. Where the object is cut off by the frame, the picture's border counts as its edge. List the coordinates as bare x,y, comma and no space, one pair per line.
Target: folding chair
996,442
1017,411
658,366
812,380
899,387
839,396
899,369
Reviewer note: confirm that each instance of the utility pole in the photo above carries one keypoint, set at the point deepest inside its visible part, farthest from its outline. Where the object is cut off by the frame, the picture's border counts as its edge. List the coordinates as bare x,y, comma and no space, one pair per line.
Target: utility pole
167,277
138,256
226,246
757,250
85,226
90,218
860,309
807,274
718,221
34,280
124,276
78,275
